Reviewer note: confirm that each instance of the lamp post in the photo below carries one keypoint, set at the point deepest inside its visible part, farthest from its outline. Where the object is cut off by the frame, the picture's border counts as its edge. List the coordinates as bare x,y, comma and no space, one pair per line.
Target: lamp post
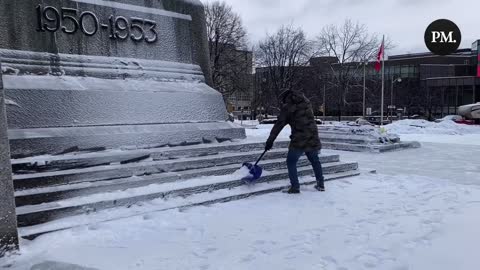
364,87
399,80
324,101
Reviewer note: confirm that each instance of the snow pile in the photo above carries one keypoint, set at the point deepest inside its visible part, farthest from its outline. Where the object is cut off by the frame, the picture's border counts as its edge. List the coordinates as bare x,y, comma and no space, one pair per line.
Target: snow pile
425,127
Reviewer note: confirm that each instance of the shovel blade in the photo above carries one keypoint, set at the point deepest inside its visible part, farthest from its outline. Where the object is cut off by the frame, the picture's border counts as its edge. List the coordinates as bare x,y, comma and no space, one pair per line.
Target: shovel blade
255,172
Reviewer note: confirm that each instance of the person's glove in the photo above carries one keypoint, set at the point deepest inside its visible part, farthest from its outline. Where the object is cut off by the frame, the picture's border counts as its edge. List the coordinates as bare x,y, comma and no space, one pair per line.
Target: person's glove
268,145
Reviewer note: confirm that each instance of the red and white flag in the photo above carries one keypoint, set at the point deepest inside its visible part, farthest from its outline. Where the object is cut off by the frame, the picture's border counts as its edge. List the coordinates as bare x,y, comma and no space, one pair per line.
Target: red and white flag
478,65
381,54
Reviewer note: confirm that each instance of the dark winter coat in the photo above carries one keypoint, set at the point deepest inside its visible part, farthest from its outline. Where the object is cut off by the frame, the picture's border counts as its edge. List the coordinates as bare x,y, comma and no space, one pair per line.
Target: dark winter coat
298,113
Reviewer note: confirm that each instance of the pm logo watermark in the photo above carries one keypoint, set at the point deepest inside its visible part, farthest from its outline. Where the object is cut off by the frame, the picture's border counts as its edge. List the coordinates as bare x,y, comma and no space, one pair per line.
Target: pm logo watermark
443,37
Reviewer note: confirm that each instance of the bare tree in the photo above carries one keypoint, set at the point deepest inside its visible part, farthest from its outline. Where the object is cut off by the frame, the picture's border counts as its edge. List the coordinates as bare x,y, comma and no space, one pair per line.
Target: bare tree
226,37
352,45
282,57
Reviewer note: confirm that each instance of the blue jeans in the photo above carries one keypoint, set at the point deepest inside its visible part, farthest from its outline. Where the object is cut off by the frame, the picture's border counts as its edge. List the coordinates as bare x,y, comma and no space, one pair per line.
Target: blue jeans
292,159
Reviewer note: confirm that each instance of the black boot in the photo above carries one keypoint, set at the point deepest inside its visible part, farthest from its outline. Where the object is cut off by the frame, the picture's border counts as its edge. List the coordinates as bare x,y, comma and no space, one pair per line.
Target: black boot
320,188
291,191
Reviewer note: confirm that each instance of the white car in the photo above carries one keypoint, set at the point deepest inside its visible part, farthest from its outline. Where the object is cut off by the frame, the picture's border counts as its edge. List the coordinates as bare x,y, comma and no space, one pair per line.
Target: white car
454,118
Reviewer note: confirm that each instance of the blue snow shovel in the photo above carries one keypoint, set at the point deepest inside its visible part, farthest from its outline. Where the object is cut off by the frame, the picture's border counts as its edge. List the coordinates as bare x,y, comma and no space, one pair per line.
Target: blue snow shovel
255,171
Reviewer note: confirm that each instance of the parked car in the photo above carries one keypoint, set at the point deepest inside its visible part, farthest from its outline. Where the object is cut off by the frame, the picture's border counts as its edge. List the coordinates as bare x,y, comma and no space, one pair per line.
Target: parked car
455,118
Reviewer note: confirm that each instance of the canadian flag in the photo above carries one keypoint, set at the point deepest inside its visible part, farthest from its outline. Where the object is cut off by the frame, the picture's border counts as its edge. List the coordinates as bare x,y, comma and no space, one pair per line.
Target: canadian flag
478,65
380,57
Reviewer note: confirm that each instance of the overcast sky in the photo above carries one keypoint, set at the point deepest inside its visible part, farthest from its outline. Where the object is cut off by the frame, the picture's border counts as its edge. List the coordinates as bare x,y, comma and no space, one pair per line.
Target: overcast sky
404,21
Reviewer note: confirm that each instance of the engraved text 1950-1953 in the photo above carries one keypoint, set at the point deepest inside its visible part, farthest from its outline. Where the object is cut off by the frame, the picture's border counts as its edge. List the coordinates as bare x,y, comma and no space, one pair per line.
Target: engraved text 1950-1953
71,20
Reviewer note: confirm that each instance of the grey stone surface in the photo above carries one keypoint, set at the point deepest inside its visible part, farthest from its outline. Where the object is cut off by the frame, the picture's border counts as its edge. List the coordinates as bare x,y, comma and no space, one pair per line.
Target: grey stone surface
100,76
51,265
8,222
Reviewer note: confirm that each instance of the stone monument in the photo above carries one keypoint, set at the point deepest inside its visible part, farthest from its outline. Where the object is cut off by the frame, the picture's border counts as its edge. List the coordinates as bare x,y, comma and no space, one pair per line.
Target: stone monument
89,75
8,219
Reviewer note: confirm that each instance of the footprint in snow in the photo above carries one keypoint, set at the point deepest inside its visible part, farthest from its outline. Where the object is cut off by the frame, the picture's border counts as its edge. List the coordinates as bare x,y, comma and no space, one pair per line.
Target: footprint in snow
210,250
247,258
368,260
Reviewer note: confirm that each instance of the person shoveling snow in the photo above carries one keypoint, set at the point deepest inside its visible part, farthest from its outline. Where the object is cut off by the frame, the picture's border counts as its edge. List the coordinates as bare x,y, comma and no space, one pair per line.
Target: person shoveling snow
298,113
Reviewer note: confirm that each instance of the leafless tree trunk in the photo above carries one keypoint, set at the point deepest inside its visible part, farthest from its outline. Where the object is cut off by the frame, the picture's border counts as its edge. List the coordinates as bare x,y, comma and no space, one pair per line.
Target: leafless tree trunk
231,66
281,57
352,45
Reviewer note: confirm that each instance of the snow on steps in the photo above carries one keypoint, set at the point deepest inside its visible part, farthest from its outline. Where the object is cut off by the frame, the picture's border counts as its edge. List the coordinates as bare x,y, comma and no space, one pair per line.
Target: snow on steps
163,204
83,160
49,194
361,139
36,214
49,188
105,172
374,148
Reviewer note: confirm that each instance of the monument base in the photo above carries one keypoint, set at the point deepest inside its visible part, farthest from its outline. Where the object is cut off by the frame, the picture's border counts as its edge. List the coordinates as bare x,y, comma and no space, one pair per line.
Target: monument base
101,102
30,142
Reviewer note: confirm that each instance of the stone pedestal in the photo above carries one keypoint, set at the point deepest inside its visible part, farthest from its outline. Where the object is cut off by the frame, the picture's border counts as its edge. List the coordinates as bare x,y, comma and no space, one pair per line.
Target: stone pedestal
90,75
8,219
97,74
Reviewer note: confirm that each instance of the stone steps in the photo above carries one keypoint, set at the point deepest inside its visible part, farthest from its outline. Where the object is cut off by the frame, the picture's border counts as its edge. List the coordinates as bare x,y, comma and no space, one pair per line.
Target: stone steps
58,187
49,194
36,214
108,172
361,139
374,148
226,195
85,160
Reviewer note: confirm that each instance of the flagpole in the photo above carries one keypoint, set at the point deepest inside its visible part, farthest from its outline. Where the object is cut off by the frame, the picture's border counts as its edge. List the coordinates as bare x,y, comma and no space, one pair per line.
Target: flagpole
383,82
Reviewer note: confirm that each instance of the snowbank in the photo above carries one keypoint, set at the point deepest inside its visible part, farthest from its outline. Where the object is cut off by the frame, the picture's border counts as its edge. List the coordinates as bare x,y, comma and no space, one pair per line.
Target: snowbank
426,127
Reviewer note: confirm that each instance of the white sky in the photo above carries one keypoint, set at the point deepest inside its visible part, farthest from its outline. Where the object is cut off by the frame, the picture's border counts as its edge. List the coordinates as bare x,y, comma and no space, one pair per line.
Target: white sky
404,21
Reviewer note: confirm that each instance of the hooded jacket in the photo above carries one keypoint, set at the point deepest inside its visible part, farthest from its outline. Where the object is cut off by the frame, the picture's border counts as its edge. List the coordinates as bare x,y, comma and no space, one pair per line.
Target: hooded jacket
298,113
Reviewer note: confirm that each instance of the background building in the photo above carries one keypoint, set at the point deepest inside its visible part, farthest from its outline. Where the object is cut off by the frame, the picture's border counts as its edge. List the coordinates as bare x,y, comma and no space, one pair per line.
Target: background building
422,84
234,80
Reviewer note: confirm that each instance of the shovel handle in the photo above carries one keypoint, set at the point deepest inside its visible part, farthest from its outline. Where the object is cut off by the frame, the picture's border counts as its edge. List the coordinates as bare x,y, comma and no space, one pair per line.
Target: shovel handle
260,158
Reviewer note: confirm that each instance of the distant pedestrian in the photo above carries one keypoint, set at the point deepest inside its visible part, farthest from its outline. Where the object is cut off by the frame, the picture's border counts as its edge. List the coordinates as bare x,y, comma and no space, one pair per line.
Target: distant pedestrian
298,113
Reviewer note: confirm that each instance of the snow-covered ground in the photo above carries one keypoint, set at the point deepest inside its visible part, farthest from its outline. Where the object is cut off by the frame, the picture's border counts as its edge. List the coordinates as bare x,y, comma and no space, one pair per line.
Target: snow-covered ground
418,211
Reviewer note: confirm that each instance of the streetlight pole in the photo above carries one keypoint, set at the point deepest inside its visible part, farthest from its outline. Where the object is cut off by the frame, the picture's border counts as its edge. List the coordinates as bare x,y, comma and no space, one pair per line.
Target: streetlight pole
324,101
391,96
364,88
